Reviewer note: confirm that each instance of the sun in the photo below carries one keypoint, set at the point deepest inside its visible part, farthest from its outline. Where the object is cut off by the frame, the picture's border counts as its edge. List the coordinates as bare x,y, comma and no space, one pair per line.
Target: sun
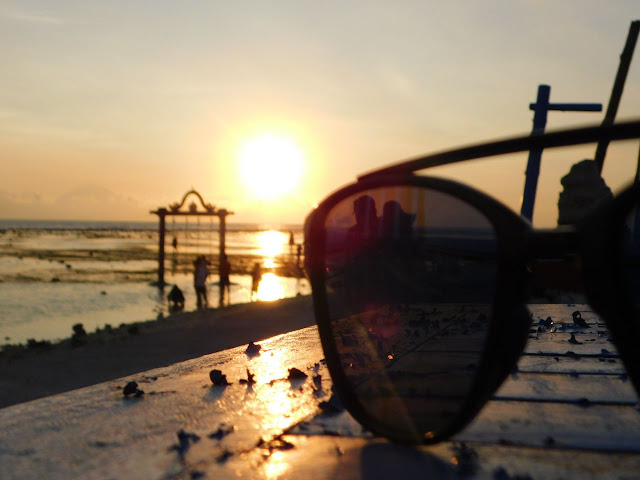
271,165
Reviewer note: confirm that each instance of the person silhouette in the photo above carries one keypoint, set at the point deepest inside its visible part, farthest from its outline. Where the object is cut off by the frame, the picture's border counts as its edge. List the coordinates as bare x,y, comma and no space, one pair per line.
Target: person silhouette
200,274
225,282
395,221
364,232
360,268
256,276
176,299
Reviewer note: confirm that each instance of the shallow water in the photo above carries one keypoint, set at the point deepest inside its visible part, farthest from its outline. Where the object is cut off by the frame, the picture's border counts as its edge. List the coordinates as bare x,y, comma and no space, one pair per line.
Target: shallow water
51,279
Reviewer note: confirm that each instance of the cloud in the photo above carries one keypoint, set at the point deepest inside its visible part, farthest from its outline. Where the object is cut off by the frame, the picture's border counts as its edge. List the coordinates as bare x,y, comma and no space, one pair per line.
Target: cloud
89,202
39,18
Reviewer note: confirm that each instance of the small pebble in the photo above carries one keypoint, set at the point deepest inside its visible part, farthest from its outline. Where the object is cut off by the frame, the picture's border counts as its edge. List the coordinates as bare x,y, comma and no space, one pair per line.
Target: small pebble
222,432
578,320
333,406
224,456
250,380
252,349
218,378
295,374
573,340
185,440
466,458
278,444
131,388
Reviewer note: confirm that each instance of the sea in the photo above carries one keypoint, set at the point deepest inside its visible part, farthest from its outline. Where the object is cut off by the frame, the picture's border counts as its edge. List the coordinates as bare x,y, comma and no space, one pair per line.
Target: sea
56,274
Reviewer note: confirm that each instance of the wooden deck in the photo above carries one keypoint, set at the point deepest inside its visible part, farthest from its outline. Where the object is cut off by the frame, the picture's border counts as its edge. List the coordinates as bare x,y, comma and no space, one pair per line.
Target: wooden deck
561,415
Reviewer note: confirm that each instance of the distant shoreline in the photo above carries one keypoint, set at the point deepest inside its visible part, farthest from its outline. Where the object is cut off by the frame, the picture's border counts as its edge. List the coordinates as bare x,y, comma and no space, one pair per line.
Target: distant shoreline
130,225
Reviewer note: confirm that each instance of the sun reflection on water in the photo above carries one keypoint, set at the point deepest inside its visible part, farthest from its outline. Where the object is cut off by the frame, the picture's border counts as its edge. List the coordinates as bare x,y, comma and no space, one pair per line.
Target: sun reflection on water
276,465
271,243
275,401
270,288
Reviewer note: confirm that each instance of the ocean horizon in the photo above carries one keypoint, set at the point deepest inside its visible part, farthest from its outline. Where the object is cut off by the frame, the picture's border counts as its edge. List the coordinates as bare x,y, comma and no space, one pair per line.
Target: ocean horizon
44,224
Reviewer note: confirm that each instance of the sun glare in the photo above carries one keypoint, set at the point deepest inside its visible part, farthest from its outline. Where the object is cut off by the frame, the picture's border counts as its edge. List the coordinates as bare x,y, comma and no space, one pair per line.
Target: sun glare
271,165
270,288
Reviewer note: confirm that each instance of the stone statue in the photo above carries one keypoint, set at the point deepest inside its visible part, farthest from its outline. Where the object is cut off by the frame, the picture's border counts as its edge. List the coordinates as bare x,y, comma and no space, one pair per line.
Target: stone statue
584,189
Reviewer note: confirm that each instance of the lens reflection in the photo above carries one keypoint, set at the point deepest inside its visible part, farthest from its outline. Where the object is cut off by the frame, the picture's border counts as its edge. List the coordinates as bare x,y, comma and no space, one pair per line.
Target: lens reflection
411,274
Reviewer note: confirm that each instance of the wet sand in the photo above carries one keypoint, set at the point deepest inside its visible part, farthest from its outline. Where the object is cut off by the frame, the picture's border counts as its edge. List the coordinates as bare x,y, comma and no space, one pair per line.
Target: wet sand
30,373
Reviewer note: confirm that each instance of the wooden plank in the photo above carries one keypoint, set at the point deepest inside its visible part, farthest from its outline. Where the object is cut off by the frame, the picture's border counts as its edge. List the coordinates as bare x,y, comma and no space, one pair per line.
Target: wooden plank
595,427
526,423
569,388
529,429
557,343
97,432
566,364
320,457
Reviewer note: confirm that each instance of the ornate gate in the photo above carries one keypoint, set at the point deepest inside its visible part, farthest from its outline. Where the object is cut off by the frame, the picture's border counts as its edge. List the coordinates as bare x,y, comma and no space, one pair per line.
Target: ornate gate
194,210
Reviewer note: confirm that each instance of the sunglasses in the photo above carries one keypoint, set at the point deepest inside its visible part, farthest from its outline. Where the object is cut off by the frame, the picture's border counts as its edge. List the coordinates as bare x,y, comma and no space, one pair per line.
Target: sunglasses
420,284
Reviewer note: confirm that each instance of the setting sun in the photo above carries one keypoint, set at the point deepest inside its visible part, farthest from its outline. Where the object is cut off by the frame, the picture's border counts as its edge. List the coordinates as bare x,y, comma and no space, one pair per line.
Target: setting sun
271,165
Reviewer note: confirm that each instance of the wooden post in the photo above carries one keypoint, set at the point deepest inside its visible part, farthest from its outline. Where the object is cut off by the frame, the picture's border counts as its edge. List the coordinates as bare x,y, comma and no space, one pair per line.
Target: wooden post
616,92
161,231
222,215
540,109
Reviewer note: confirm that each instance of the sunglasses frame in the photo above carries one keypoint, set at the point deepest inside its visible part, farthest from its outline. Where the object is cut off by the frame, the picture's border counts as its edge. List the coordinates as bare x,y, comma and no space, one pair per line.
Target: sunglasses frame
596,241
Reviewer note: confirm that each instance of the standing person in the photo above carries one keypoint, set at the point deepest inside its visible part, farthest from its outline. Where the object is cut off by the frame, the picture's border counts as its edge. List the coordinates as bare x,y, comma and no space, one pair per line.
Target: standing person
256,276
292,244
200,274
225,283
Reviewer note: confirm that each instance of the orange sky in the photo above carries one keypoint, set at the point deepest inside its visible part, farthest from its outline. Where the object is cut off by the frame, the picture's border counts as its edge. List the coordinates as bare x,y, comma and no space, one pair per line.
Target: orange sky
109,109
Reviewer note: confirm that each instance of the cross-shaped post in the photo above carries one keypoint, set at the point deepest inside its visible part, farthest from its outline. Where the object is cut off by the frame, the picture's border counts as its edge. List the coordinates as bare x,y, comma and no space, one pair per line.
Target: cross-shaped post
540,109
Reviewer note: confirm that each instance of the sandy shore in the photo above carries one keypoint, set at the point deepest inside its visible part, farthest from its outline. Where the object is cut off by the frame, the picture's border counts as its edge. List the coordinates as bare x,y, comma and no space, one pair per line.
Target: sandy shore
27,374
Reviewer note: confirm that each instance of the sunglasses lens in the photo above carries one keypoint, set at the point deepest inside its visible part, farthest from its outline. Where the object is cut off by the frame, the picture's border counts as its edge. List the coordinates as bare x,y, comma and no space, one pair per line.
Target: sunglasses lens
410,281
631,260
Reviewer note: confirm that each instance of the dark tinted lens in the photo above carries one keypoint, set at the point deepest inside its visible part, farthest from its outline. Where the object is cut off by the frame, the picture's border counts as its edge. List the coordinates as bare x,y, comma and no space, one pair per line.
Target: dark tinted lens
410,280
631,261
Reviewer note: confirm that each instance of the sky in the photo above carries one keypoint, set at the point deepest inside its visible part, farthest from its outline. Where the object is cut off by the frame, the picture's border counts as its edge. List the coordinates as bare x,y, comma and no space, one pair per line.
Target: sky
111,109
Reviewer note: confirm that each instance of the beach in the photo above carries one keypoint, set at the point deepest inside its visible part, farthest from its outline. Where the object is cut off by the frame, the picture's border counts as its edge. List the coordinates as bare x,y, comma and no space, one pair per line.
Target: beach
56,274
31,373
80,305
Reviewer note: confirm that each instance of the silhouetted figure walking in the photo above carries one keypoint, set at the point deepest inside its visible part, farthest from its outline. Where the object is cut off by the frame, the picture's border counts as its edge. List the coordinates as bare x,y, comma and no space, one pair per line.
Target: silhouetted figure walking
298,259
200,274
225,282
256,276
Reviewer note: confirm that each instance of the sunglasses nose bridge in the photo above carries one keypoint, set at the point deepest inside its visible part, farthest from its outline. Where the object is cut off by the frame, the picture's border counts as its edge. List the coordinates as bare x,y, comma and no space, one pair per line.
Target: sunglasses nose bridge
552,244
554,261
